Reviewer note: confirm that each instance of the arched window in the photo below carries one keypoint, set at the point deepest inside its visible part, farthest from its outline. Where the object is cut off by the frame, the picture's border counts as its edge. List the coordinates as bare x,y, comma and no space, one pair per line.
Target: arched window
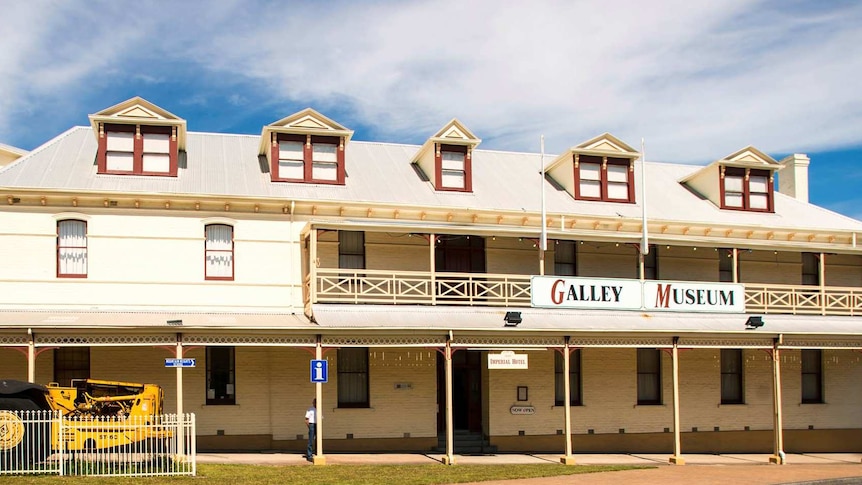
71,249
219,252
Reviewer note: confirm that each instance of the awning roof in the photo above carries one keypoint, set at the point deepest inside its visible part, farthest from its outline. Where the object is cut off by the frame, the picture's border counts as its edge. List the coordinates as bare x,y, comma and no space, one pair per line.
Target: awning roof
152,320
630,323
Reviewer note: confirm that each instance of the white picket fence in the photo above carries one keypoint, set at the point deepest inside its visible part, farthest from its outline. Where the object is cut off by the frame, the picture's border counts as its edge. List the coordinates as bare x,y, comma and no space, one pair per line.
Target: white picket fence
43,442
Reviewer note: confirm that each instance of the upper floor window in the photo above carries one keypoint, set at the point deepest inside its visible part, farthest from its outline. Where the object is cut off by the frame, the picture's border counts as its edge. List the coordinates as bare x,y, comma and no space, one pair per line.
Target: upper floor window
746,189
651,263
566,258
308,158
604,178
351,249
71,249
453,168
219,252
810,269
138,150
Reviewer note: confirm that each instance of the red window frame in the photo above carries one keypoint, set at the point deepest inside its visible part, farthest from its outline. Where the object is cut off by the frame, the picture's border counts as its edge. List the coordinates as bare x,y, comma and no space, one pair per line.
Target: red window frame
84,247
138,153
746,173
438,167
308,142
604,162
208,251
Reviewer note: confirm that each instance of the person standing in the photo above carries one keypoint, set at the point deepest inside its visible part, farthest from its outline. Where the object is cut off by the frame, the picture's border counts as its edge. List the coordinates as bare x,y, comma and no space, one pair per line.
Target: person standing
311,422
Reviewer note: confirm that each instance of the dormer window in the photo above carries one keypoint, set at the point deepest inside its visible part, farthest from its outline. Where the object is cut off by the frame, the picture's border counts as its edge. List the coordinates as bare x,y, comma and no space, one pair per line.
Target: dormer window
307,158
139,150
603,178
446,159
746,189
137,137
453,168
305,147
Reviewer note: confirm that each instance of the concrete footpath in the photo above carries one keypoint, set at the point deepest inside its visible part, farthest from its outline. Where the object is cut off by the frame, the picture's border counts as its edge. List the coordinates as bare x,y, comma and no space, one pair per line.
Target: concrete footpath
826,468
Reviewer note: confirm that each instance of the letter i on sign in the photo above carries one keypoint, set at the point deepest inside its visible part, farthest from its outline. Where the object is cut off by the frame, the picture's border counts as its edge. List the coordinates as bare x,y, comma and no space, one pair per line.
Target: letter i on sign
318,371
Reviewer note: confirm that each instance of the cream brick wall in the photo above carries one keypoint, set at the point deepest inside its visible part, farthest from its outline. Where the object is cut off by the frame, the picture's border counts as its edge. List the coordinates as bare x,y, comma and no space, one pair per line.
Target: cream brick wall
783,268
682,263
843,270
607,260
393,412
13,365
149,261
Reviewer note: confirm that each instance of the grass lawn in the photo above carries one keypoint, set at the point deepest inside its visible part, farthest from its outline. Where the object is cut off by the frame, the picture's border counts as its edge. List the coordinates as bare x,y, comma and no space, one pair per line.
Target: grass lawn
352,474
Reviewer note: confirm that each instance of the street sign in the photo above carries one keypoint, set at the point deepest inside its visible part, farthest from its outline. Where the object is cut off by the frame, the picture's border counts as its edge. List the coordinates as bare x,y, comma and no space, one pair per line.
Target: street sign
319,371
180,362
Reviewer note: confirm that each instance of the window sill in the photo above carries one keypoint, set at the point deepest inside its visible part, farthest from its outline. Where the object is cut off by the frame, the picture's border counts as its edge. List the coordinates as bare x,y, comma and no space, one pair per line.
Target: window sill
656,405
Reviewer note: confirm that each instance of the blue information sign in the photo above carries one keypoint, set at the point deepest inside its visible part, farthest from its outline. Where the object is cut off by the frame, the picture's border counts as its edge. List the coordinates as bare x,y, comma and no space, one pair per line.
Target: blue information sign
180,362
319,371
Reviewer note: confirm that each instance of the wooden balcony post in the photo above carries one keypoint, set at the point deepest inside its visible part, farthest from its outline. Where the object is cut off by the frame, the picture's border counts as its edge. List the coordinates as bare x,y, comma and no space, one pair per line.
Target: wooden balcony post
777,424
312,264
568,459
735,265
31,356
677,458
449,459
822,278
432,264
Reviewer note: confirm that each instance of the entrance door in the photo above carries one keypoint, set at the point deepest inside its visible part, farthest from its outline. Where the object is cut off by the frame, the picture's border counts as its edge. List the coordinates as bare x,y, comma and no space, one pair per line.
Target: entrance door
466,391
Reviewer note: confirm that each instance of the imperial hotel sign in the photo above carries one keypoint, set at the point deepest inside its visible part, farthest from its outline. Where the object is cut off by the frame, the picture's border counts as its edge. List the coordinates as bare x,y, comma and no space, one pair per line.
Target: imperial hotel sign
620,294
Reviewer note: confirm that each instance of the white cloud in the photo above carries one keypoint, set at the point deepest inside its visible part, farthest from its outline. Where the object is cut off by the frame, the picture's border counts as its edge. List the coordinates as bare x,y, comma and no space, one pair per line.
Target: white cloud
698,79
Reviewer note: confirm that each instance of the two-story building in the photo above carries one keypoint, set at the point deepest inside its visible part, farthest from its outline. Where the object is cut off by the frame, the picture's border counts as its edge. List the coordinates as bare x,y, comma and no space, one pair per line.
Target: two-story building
464,299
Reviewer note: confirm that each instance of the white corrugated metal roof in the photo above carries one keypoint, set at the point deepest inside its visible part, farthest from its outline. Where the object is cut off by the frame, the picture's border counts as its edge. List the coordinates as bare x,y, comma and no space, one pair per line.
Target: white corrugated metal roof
224,164
605,322
75,319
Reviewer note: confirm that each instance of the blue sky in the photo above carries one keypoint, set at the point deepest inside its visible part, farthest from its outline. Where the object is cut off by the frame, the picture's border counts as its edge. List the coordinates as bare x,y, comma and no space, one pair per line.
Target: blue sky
696,79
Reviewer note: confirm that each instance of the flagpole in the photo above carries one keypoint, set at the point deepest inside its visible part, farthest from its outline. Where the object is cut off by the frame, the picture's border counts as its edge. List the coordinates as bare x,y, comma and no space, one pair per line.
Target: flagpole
645,236
543,243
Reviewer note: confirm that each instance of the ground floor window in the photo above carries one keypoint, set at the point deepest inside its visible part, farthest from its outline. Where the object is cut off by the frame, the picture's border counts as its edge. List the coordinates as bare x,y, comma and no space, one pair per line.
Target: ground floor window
574,379
812,376
649,376
353,378
71,363
731,376
221,376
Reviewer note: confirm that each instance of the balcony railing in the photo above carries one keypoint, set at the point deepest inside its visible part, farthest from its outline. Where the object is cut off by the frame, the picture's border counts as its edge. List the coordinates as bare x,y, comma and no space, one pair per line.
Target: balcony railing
803,300
421,288
483,289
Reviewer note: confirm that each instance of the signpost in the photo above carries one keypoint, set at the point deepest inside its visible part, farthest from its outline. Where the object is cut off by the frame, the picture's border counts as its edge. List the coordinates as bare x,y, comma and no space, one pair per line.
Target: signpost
186,362
319,371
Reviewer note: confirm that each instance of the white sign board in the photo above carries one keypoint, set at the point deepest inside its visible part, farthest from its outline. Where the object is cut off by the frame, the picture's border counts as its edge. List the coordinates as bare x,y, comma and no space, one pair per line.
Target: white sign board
596,293
693,296
627,294
507,360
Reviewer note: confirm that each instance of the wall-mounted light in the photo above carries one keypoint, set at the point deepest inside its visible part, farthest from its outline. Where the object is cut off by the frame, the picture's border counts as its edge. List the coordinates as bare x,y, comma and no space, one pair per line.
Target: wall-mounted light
754,321
512,319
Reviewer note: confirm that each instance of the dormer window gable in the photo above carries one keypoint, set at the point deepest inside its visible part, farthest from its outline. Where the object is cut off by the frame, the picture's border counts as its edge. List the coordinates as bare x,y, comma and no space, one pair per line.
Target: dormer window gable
137,137
306,147
448,155
742,181
599,169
